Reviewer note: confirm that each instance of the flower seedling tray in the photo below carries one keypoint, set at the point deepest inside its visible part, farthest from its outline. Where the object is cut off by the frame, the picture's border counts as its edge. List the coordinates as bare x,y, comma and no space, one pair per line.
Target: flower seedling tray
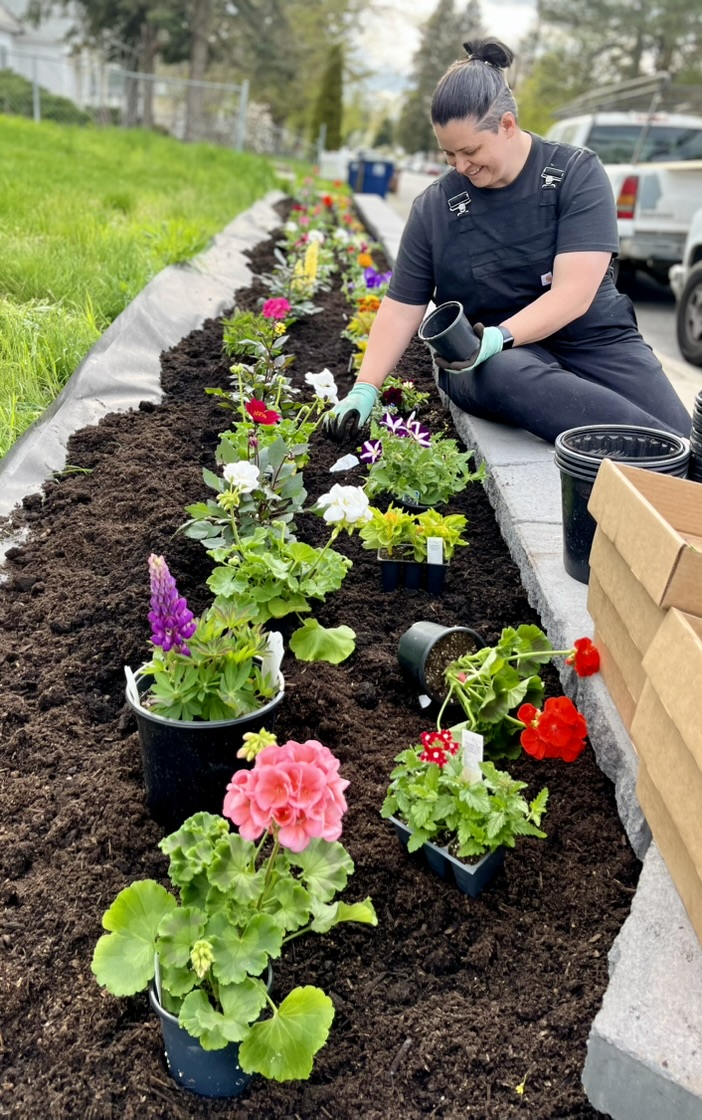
413,575
470,878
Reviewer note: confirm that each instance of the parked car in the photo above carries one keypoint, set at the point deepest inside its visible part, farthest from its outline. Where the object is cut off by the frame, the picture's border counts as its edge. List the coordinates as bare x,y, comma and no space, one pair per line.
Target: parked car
686,282
649,138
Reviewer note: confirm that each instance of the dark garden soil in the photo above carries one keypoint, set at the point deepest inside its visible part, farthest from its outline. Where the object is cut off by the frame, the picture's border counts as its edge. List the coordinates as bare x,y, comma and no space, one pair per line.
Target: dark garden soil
450,1007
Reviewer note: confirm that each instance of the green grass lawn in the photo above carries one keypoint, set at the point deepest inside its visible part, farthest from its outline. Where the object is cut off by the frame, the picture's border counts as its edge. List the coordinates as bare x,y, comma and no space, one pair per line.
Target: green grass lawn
87,217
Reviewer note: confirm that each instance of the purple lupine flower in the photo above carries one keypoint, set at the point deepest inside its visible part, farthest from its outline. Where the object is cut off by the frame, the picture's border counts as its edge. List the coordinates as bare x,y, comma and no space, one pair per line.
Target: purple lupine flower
394,424
418,431
371,451
375,279
171,621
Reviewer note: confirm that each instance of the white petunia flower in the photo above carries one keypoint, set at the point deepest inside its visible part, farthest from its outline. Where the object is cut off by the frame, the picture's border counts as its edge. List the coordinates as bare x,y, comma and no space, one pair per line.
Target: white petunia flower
341,235
316,235
291,227
345,503
242,475
324,385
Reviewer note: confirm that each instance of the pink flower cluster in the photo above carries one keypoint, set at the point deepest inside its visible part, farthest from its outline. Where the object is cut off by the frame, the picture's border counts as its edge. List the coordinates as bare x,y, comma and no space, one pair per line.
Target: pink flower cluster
276,308
293,790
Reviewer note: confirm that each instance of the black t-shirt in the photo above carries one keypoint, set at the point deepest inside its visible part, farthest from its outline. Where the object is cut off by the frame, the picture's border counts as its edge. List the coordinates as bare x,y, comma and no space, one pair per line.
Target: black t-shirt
497,257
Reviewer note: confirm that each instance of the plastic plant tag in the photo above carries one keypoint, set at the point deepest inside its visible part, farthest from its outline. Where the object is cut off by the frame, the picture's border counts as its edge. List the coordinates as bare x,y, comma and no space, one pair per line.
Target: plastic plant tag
132,690
435,550
472,751
270,663
411,496
344,463
424,700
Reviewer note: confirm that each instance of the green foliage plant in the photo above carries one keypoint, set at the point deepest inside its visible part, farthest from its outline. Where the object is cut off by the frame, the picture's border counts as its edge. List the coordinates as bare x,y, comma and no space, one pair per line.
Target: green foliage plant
443,803
395,528
237,904
429,475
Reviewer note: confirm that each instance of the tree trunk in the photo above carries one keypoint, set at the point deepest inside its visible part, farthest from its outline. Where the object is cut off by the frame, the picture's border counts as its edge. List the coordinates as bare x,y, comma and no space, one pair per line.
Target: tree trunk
147,61
198,68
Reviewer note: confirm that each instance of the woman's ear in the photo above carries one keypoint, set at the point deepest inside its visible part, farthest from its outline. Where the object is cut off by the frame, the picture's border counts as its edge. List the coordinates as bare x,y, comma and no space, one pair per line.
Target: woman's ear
508,124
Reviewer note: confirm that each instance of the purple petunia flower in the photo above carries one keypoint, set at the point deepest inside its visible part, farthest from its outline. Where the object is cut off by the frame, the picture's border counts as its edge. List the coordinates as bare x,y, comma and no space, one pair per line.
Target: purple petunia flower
171,621
375,279
418,431
371,451
394,424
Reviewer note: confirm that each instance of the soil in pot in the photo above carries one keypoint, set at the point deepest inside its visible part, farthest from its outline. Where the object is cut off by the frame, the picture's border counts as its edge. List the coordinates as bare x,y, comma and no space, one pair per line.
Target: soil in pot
444,1007
444,651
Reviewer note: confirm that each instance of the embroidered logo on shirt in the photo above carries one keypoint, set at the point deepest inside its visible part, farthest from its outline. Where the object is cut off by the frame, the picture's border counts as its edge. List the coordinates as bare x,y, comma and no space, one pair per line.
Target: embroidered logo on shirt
546,279
459,203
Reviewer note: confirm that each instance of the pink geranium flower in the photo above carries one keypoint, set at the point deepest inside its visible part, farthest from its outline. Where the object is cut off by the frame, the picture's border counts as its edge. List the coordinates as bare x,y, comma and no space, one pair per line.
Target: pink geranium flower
294,791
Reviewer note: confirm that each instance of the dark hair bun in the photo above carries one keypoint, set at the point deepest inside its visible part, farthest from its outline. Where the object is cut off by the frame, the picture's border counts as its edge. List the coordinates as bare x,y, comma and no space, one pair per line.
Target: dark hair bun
492,51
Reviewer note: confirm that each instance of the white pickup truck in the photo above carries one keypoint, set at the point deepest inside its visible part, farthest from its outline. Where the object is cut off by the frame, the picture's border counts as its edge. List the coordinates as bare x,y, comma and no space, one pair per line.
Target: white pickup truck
654,164
686,282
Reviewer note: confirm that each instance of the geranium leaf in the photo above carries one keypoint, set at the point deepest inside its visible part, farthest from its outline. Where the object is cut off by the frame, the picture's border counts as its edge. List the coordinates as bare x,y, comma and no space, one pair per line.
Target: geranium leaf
325,867
123,960
313,642
292,905
282,1048
177,933
235,956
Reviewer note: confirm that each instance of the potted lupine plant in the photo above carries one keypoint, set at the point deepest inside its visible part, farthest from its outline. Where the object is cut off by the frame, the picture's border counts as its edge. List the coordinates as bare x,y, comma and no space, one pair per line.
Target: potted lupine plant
208,683
242,897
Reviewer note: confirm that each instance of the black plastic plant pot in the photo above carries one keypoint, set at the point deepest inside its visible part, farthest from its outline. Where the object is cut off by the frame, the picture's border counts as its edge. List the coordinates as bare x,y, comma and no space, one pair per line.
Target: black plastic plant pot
449,333
427,648
209,1073
188,764
435,576
579,453
390,573
414,570
470,878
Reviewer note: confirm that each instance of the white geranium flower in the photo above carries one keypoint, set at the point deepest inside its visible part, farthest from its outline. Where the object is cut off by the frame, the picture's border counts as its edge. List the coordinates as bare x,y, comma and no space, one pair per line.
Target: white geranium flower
324,385
290,227
341,235
345,503
316,235
242,475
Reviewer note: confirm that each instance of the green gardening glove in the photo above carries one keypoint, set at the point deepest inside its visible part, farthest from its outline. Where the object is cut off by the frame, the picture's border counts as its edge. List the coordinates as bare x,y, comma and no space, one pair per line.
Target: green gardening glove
351,413
491,342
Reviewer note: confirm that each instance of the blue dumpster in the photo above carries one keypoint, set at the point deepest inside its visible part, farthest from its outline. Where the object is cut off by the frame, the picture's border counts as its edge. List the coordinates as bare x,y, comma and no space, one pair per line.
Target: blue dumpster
370,176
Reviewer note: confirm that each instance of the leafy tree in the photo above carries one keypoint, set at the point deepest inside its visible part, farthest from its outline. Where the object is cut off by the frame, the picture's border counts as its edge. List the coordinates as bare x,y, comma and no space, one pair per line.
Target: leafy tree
385,134
328,106
441,44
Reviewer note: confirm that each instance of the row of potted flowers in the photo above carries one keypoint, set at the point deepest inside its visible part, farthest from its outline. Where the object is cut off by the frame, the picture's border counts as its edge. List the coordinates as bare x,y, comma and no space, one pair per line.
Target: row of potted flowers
244,894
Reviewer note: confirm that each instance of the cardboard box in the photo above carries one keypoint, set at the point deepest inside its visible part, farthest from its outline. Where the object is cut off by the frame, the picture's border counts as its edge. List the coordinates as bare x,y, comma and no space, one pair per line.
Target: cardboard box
624,702
673,664
621,650
629,598
655,523
669,789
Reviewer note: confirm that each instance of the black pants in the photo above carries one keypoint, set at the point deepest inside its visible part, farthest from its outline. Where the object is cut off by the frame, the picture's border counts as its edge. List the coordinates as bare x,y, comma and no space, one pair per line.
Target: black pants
549,387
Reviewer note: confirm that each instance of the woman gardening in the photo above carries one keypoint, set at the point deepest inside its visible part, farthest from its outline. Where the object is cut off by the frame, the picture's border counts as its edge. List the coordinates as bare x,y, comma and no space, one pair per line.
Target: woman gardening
522,232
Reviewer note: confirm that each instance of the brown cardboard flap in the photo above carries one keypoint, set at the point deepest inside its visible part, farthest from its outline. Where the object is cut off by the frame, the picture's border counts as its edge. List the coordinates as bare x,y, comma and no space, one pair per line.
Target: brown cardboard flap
682,870
649,517
616,686
672,768
630,598
673,664
616,636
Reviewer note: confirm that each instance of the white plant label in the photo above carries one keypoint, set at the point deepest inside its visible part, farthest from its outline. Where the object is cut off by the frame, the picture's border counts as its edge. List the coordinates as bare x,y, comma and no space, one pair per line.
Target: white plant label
424,701
270,662
344,463
472,753
435,550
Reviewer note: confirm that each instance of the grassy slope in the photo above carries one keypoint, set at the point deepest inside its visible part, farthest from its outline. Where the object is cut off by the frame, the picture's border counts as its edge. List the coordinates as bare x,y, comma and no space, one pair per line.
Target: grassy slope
87,217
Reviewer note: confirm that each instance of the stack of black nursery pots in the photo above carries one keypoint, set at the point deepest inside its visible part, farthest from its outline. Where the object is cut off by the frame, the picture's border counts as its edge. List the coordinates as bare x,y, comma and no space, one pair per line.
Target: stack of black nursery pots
694,470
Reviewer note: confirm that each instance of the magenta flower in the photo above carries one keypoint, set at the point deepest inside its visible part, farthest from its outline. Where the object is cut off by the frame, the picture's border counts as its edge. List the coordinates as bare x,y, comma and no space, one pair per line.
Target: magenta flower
394,424
293,791
276,308
371,451
171,621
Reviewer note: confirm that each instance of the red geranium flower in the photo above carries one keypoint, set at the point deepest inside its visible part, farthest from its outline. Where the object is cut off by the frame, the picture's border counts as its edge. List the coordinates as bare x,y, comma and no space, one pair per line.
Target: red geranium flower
260,414
557,732
585,657
327,200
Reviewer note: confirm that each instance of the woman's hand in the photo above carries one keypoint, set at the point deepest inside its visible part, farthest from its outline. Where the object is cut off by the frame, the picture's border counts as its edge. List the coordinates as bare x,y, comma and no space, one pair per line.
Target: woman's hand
491,342
351,413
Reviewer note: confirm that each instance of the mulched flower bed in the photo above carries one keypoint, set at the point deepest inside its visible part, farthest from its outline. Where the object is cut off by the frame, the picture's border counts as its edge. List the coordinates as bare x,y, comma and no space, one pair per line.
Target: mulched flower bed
451,1006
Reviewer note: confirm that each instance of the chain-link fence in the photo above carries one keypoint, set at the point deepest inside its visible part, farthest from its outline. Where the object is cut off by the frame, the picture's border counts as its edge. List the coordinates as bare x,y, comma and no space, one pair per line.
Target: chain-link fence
81,88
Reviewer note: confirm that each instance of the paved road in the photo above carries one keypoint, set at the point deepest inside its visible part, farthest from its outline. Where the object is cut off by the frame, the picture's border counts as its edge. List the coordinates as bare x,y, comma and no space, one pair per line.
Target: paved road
654,303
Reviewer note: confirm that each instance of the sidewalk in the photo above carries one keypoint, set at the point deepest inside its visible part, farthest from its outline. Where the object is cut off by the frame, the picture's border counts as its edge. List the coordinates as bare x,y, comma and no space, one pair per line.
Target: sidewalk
644,1057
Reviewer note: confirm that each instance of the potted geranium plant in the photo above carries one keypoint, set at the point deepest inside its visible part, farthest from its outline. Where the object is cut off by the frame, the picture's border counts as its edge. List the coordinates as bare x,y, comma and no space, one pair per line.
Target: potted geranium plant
461,817
208,683
417,468
242,897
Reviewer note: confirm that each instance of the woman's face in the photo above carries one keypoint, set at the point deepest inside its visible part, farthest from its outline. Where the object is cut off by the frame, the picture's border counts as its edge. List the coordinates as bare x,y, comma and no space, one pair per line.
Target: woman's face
487,159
